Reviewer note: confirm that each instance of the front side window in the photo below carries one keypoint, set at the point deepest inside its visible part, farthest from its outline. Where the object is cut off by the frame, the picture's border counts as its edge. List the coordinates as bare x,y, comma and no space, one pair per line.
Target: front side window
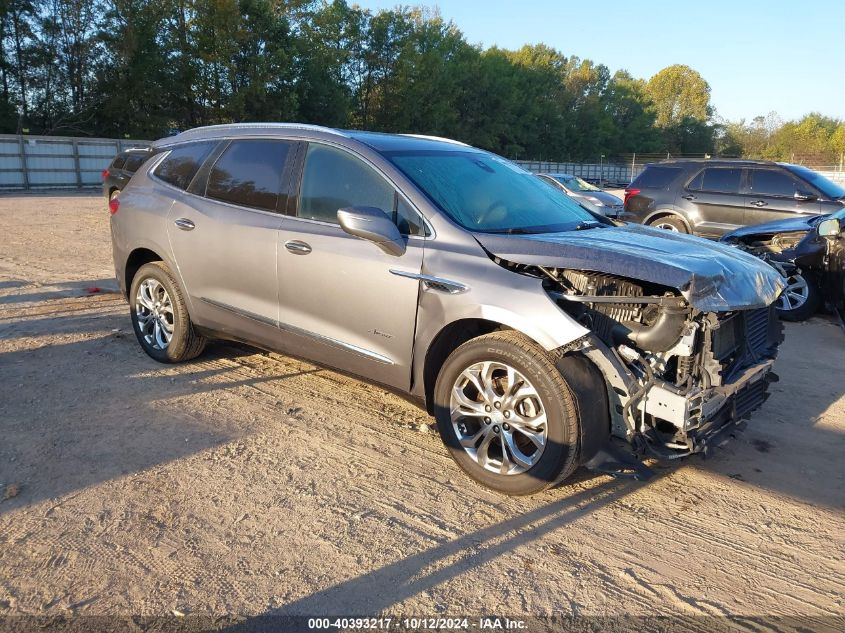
181,164
333,179
717,180
574,183
768,182
249,173
486,193
829,188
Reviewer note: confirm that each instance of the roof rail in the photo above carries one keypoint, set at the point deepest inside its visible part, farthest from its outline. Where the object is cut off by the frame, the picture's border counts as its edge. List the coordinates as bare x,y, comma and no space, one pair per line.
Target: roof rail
436,138
199,131
716,159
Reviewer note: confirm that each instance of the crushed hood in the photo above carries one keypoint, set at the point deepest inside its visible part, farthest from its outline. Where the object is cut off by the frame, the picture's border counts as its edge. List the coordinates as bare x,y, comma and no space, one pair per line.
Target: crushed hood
712,277
788,225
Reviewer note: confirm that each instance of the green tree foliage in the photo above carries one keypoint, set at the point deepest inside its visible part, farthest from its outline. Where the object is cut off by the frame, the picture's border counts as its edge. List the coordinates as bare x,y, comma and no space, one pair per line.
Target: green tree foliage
144,68
679,93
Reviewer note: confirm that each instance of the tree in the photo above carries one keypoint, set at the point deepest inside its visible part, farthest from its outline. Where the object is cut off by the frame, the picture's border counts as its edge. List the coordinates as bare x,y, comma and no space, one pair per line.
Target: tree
678,92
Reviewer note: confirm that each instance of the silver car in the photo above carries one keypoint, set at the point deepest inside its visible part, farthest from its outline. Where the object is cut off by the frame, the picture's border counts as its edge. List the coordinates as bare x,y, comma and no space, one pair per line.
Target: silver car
584,193
533,331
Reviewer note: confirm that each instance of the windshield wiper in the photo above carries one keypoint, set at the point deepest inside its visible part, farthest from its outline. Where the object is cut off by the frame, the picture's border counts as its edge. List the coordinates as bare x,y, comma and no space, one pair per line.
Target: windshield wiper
589,224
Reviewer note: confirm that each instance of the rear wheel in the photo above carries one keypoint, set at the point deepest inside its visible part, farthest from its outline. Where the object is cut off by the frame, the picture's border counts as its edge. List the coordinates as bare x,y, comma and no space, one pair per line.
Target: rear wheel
800,299
160,316
669,223
506,415
114,194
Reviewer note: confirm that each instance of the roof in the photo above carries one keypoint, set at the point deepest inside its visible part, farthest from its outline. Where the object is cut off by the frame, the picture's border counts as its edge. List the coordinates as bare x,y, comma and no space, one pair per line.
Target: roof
379,141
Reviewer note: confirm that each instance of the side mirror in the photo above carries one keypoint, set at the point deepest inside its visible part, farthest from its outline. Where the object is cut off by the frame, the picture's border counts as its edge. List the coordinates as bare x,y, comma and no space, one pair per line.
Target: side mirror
372,224
805,196
830,227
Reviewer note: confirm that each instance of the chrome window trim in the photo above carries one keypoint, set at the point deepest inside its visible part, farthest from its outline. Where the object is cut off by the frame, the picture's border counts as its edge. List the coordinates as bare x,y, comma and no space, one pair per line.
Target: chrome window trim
297,139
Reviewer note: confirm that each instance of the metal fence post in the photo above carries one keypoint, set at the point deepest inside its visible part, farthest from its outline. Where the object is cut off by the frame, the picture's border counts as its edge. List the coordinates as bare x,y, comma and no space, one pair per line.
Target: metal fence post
76,164
24,166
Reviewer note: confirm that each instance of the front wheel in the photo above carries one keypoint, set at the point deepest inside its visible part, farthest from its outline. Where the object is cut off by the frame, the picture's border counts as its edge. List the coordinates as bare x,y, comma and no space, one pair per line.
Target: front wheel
160,316
800,299
506,415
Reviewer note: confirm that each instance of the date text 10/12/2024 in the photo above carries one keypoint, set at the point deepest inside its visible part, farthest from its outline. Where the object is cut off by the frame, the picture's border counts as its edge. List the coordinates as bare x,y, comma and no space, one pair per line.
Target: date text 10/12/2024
482,624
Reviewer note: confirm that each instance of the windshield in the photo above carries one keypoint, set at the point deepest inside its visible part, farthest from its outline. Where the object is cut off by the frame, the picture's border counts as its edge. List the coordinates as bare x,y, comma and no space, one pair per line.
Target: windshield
826,186
574,183
486,193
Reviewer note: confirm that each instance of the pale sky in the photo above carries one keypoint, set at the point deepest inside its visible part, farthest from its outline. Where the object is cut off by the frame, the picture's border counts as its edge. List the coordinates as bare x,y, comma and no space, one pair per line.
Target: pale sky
757,56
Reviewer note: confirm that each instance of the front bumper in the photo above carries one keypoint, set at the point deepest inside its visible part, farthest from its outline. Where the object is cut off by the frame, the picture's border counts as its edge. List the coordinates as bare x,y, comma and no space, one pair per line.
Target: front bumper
702,418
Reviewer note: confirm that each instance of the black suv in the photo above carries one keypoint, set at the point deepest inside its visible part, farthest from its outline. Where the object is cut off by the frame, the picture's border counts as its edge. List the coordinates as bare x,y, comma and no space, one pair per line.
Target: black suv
712,197
116,176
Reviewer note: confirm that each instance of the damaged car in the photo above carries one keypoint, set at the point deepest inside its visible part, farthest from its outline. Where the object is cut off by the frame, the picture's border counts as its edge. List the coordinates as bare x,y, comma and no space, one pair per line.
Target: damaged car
532,330
810,254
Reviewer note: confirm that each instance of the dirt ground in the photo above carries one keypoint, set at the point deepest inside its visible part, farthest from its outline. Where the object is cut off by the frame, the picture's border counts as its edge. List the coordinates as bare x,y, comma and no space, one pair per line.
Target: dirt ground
252,483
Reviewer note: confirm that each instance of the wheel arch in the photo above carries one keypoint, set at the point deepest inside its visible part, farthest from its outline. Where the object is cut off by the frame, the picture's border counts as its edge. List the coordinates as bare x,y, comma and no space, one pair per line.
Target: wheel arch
447,340
662,213
135,260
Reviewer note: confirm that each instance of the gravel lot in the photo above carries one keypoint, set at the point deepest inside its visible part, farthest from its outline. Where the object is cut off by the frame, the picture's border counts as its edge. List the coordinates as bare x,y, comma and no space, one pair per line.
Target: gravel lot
253,483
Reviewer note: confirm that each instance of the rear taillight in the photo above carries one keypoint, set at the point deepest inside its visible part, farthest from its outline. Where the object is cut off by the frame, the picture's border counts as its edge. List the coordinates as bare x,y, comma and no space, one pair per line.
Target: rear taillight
114,205
628,194
105,174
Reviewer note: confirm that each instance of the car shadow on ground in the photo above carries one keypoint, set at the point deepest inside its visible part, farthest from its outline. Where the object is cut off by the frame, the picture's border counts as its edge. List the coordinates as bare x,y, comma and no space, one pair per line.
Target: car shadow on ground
64,289
379,590
104,417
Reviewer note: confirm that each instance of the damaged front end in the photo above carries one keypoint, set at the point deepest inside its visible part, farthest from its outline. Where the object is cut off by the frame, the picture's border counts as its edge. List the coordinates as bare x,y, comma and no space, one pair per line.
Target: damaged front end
686,348
677,376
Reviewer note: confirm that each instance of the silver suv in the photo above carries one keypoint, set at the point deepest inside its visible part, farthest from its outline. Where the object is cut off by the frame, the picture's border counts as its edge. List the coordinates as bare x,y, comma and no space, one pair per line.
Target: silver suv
532,330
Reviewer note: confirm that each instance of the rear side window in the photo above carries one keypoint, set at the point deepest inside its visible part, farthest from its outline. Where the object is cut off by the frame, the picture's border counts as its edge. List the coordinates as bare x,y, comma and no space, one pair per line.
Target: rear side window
134,161
656,177
249,173
769,182
119,161
717,179
180,166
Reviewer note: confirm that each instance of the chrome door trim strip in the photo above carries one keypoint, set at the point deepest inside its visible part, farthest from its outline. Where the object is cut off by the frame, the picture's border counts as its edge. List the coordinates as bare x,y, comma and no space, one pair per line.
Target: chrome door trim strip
292,329
429,281
243,313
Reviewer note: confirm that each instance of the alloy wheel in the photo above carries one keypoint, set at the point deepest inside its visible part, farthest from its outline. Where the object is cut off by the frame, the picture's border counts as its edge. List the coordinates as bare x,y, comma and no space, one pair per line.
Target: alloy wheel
796,294
154,312
666,227
499,417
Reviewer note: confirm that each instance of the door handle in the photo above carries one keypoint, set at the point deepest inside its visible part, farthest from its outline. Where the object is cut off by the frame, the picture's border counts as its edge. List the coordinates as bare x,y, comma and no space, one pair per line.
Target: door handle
759,203
689,196
185,224
297,248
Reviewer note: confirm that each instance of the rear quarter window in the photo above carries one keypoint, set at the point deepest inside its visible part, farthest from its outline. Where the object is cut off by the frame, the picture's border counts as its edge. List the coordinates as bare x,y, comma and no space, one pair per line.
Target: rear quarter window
134,161
181,165
656,177
118,161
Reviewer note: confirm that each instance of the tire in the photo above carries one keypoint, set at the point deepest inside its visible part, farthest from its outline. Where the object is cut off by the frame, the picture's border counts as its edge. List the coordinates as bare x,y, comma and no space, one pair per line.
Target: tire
154,294
485,431
669,223
801,299
114,194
